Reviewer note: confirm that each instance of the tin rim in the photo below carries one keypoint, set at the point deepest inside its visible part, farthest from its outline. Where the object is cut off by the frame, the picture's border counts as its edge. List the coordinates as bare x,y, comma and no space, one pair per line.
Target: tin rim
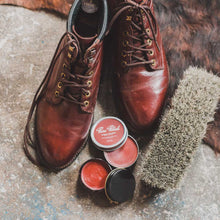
113,146
107,178
121,167
99,160
111,174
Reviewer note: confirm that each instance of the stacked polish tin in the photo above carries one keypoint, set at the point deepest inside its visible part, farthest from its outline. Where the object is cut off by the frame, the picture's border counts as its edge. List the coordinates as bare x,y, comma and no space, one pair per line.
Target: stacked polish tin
113,175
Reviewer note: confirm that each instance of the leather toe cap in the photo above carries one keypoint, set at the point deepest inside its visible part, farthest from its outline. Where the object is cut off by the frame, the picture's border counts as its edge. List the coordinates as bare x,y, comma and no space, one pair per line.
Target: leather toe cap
142,97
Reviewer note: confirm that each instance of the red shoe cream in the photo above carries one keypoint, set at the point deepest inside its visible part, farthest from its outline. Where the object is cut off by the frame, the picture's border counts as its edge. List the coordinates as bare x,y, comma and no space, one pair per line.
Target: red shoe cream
94,173
125,156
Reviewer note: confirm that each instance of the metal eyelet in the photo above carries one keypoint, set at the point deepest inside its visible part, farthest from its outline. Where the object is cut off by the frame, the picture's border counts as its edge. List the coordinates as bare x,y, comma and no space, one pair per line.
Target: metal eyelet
69,55
93,51
124,64
63,75
125,43
128,18
148,30
90,60
86,103
59,85
64,65
90,73
153,62
130,9
89,83
88,93
125,33
123,54
71,48
57,93
149,42
151,52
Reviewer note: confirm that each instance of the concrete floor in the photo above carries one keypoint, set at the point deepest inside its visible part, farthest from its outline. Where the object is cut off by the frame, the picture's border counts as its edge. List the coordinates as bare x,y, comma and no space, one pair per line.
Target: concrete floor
27,42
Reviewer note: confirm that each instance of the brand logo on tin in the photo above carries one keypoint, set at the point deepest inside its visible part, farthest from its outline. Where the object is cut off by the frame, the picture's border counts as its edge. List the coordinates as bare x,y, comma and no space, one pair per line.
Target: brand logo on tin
110,128
108,132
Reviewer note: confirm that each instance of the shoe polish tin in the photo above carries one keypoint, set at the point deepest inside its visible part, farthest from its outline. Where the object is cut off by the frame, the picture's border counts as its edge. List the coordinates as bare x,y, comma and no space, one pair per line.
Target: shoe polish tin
93,174
120,186
109,133
125,156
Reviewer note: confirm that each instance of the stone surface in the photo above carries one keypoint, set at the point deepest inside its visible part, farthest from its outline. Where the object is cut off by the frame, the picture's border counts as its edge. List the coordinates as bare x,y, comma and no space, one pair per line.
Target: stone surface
27,43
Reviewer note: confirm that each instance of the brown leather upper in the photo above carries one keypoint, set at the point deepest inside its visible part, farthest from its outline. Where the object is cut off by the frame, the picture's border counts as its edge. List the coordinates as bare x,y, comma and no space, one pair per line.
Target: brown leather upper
142,74
63,126
64,102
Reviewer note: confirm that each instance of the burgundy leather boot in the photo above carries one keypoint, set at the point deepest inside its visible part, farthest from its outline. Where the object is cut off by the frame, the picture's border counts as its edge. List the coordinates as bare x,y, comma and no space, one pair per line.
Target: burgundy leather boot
140,64
65,101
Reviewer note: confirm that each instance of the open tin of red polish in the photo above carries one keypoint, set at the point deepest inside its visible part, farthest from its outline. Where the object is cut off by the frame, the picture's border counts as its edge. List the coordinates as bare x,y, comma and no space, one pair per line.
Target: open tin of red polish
93,174
125,156
109,133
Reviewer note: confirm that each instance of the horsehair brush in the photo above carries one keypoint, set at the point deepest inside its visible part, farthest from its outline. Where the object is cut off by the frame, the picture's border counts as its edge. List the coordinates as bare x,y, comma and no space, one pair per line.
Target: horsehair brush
181,130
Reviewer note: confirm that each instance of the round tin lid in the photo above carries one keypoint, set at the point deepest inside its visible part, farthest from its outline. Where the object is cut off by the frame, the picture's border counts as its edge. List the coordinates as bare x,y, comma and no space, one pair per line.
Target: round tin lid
120,185
115,147
109,133
125,156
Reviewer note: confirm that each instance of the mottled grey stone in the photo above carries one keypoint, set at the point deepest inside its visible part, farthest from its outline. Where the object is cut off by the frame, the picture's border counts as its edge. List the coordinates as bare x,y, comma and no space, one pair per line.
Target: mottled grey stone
27,43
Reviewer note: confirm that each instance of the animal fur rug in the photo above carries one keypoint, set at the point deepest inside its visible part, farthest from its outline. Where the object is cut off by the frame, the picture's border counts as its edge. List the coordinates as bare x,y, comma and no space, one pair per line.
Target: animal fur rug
190,32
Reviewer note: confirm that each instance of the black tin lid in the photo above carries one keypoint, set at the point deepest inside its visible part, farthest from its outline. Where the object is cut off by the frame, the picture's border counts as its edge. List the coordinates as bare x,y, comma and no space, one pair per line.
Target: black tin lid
120,185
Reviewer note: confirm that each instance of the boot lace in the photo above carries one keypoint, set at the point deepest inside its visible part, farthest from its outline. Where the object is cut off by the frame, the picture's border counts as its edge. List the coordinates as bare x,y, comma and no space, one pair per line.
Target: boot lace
69,80
137,53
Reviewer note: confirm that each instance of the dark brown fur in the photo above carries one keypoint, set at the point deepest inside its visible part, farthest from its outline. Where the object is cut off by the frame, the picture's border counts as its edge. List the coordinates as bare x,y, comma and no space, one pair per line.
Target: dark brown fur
190,34
190,30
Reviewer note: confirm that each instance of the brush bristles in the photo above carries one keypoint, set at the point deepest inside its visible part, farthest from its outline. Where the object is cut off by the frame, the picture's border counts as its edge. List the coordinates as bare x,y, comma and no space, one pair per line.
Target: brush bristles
181,130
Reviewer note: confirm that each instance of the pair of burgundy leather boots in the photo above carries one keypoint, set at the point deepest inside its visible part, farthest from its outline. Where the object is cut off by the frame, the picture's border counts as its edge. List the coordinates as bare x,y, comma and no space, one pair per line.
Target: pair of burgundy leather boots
65,101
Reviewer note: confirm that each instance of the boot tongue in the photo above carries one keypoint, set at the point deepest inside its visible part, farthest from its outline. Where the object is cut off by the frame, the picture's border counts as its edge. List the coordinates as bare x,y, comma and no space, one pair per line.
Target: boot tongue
137,19
85,42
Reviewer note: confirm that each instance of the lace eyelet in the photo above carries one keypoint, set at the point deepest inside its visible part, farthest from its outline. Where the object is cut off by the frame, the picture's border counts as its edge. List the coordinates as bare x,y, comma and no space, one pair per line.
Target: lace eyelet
91,73
88,93
59,85
86,103
93,51
149,42
64,65
151,52
90,60
125,33
153,62
148,30
125,43
57,93
89,83
123,54
69,55
71,48
124,64
63,75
